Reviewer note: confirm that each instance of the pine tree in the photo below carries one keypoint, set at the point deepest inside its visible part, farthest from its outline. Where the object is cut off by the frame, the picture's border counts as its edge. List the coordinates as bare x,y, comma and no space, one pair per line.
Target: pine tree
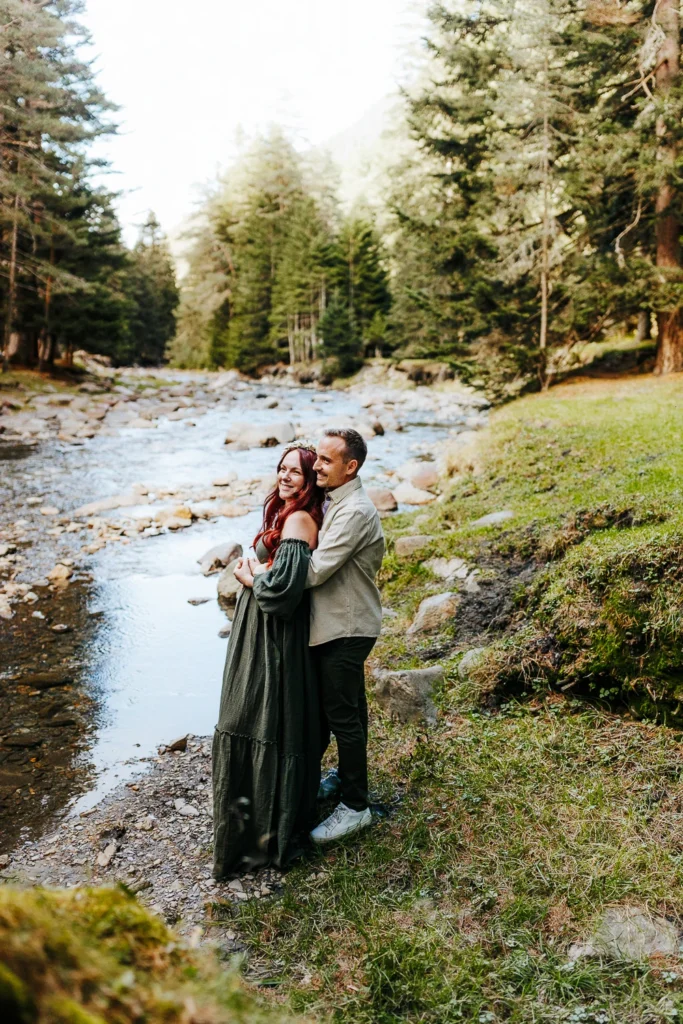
362,275
154,296
52,110
262,260
342,344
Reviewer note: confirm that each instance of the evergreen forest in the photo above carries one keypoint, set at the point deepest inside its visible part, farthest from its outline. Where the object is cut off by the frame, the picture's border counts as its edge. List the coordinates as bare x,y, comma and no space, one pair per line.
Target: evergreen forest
536,207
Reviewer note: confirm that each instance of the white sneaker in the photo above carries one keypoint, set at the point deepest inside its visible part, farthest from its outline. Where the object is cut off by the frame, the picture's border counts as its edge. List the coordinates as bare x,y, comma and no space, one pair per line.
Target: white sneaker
342,822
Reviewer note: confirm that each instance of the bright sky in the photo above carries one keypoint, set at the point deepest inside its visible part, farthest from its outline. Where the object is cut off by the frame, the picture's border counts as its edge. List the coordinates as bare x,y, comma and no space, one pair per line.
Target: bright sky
189,76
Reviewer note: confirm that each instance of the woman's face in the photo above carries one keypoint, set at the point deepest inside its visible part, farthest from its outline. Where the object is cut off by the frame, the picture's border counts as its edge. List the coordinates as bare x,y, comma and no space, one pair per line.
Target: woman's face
290,477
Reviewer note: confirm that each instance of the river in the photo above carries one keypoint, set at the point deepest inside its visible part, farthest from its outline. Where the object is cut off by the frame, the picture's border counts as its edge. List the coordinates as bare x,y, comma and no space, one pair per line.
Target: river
149,662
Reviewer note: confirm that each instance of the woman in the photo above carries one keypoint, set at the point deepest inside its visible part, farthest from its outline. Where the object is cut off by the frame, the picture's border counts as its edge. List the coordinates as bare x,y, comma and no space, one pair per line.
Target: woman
266,756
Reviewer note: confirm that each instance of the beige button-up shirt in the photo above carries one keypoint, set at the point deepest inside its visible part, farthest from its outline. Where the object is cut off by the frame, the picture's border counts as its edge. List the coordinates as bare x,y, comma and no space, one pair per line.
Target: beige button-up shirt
341,575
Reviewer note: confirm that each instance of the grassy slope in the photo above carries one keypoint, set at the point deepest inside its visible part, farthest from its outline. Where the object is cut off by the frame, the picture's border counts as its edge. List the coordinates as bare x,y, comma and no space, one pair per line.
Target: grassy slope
513,825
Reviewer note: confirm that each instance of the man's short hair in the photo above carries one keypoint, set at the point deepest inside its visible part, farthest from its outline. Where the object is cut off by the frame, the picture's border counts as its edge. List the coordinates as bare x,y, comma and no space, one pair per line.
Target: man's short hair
356,447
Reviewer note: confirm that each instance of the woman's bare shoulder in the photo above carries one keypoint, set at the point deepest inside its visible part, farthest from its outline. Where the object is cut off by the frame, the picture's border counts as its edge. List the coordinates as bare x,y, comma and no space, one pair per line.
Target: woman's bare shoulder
301,526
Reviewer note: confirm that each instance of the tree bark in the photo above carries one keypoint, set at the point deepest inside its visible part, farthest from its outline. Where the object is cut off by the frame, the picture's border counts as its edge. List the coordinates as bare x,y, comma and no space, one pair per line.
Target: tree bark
669,322
644,331
11,288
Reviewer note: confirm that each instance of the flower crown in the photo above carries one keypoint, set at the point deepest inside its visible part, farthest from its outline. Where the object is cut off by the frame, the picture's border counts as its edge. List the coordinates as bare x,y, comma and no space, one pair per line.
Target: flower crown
297,445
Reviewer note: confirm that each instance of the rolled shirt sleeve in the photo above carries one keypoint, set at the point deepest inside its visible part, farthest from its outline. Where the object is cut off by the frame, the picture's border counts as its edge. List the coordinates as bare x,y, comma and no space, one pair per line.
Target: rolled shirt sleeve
347,533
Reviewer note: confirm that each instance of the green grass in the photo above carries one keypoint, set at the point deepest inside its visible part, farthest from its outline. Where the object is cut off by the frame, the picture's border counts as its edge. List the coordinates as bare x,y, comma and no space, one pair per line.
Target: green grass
594,475
517,820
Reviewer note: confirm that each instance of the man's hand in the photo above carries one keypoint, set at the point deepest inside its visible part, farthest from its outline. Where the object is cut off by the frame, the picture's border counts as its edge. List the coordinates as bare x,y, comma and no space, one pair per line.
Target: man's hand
243,574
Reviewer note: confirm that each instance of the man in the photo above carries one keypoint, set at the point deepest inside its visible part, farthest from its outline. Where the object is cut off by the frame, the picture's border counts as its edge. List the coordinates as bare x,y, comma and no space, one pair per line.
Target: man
346,618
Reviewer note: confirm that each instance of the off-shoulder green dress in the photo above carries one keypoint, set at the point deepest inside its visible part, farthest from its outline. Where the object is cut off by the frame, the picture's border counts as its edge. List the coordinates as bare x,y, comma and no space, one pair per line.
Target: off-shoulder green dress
266,747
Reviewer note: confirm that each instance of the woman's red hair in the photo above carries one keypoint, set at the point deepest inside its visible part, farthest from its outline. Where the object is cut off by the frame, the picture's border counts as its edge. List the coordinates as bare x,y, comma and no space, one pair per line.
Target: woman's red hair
276,512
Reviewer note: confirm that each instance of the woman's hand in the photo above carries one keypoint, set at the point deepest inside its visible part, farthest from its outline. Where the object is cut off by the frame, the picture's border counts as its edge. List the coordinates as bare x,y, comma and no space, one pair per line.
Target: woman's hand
243,574
256,567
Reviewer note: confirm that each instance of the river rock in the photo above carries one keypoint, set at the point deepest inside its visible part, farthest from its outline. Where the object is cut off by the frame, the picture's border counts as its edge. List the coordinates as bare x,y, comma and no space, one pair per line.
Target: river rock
382,499
228,587
230,510
423,475
470,660
5,608
260,435
45,680
434,612
225,480
60,574
447,568
218,557
629,933
494,518
95,508
407,546
179,745
106,856
196,601
178,518
189,810
407,494
49,510
23,740
407,695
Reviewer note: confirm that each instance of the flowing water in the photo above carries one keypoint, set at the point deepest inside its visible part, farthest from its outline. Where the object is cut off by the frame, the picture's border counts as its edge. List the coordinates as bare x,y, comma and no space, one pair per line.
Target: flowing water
152,662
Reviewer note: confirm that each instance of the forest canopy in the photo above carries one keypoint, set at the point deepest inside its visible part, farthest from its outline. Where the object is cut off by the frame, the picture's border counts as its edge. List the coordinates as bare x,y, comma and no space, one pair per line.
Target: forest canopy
537,208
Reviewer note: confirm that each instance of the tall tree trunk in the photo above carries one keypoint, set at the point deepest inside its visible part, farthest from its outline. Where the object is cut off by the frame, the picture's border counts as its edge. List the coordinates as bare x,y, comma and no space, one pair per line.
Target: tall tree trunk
644,331
11,287
545,242
669,322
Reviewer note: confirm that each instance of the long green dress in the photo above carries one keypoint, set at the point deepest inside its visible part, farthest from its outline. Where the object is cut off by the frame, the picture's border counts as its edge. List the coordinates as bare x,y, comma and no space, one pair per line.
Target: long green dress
266,747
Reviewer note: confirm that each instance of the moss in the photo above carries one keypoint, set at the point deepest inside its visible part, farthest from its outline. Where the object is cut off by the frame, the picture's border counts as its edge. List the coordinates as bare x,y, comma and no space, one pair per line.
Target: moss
95,955
15,1001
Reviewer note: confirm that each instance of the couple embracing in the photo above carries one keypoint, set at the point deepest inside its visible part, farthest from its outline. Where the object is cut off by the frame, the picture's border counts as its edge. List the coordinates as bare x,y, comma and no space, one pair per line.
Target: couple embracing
306,620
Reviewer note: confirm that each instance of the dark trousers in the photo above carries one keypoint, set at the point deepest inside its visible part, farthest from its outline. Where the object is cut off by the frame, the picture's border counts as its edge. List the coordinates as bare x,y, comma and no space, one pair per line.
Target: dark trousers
341,667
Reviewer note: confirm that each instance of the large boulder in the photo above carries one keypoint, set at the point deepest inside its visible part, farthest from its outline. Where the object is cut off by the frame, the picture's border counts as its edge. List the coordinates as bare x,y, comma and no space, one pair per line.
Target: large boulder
407,494
434,612
382,499
218,557
260,435
407,695
228,586
407,546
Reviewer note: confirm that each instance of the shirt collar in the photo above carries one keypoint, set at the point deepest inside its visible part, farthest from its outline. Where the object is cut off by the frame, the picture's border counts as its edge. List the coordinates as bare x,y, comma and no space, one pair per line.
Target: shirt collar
339,493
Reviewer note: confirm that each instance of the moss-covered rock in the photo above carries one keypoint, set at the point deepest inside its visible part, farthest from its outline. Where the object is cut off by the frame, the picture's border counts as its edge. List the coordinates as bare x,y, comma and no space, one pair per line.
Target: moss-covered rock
96,956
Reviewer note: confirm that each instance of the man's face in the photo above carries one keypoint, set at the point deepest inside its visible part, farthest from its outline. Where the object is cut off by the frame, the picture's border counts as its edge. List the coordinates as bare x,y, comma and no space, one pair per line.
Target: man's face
331,468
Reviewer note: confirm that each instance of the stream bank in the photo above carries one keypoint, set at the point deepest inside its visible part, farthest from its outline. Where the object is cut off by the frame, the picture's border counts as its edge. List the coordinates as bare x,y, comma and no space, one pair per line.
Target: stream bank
112,490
